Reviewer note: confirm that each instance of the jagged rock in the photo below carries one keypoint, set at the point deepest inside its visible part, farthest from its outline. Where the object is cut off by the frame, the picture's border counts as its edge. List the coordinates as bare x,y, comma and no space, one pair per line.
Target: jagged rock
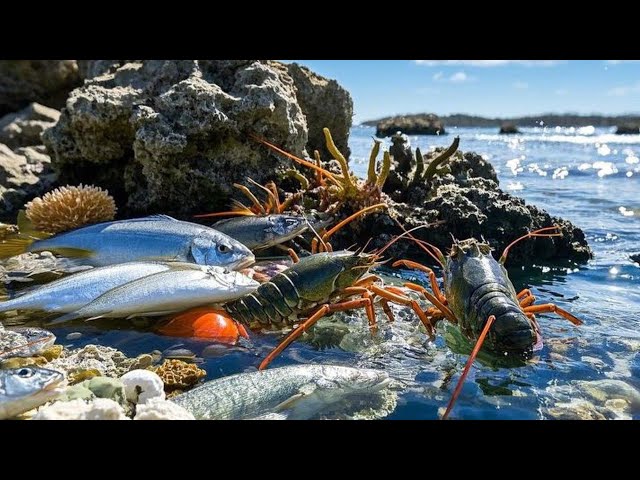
23,128
173,136
423,124
509,128
324,104
635,258
24,174
43,81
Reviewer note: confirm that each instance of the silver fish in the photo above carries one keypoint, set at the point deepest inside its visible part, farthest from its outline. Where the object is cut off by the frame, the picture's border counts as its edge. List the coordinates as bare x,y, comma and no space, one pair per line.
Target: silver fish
22,389
24,341
257,232
167,292
158,237
75,291
295,392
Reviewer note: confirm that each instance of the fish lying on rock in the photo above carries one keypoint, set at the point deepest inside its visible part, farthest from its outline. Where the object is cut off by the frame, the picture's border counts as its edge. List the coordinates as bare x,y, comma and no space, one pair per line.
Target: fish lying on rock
167,292
22,389
294,392
158,237
73,292
257,232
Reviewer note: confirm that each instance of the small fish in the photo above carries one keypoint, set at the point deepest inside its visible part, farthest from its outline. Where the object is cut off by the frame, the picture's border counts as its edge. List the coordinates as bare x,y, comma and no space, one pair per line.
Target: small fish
75,291
295,392
22,389
158,237
26,341
167,292
258,232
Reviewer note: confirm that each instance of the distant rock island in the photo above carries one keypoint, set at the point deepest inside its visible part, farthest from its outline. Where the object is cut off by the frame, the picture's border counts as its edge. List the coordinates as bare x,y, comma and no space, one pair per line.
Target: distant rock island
389,125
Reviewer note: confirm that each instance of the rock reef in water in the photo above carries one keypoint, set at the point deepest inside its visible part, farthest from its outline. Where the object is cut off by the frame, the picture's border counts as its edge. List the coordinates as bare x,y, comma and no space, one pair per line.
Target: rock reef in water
628,129
173,136
635,258
464,200
509,128
44,81
423,124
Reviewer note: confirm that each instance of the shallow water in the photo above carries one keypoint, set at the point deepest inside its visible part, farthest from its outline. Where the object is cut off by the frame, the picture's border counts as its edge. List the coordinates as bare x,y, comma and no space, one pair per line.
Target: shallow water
588,176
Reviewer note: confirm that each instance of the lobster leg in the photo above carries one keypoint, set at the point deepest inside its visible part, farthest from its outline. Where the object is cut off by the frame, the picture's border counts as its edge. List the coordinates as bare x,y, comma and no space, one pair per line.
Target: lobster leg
443,308
318,314
431,273
524,294
467,367
404,300
550,307
293,255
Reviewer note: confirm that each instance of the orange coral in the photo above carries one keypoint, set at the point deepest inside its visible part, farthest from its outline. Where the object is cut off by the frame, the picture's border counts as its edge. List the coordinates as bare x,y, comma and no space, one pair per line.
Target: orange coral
68,207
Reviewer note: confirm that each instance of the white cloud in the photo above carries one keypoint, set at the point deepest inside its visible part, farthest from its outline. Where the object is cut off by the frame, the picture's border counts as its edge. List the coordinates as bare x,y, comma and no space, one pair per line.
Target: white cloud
519,85
561,91
458,77
489,63
624,90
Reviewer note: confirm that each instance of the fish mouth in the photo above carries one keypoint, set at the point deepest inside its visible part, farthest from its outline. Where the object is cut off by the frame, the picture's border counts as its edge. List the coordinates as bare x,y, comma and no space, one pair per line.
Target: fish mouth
250,260
56,385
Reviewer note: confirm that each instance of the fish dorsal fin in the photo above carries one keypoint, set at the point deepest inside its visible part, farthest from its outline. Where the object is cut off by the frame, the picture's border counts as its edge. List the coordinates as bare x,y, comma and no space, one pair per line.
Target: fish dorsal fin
26,227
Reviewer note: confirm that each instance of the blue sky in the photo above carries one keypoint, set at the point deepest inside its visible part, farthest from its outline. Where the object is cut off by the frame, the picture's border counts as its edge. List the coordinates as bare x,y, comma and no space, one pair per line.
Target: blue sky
496,88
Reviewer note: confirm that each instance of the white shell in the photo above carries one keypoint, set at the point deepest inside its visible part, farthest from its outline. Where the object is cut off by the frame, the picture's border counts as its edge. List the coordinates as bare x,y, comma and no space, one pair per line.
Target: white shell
157,409
149,385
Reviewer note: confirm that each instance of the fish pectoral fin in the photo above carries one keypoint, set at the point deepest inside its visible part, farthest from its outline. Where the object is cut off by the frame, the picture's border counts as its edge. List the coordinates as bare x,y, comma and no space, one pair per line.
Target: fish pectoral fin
151,314
70,252
289,403
64,318
26,227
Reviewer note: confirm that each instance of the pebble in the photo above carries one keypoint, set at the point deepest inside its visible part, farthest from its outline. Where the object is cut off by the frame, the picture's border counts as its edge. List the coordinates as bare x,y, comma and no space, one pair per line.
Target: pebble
74,336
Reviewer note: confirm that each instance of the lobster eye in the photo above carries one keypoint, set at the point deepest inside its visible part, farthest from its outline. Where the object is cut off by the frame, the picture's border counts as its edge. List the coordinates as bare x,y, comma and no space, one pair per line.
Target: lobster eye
223,248
25,372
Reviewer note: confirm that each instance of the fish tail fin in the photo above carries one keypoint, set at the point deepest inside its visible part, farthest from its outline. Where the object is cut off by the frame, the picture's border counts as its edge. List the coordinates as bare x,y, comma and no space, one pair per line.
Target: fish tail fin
15,246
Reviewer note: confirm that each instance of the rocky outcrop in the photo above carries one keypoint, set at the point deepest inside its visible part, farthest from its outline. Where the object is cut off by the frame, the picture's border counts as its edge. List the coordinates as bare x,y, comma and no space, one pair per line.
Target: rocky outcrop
44,81
464,200
423,124
324,104
24,128
628,129
509,128
173,136
24,173
635,258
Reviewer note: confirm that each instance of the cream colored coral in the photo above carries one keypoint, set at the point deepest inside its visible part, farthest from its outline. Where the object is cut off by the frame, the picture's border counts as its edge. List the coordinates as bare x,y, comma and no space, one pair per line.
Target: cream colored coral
157,409
142,385
96,409
68,207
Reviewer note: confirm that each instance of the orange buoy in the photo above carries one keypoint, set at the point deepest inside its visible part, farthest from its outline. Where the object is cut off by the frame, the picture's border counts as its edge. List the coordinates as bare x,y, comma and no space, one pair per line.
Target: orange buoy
205,322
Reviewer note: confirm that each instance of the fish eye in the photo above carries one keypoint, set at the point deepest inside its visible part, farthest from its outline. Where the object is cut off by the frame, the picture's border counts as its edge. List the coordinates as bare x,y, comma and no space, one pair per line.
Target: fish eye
25,372
223,248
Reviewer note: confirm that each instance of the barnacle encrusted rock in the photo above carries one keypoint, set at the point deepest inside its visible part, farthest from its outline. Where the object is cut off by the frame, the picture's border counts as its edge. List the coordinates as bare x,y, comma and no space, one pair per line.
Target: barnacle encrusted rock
173,136
178,375
70,207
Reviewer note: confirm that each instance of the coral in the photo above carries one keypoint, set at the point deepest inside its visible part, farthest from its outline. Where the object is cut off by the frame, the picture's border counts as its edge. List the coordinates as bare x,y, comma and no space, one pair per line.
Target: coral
82,375
142,385
17,362
110,362
52,352
157,409
68,207
78,409
177,374
7,230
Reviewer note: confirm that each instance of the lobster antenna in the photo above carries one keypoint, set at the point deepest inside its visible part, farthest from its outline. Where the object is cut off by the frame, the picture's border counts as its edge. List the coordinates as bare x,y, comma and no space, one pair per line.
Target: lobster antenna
535,233
422,243
314,232
467,367
395,239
